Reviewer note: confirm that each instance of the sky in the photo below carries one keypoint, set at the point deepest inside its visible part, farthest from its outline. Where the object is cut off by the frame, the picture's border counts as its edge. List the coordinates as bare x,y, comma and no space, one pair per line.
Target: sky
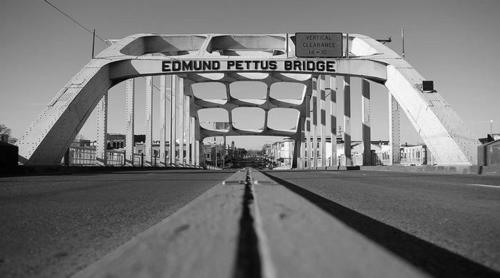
453,42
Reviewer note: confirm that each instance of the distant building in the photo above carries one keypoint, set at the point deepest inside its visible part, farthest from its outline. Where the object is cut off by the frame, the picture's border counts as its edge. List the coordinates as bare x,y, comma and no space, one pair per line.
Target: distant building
489,152
415,155
490,138
281,153
213,154
218,156
83,143
115,141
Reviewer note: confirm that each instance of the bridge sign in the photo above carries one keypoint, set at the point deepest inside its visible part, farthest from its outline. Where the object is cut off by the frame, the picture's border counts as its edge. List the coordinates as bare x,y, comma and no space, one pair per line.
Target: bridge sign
318,45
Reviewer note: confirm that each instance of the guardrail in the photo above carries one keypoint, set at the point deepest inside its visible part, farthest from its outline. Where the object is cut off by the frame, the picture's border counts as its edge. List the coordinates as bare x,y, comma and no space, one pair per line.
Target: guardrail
82,156
86,156
115,158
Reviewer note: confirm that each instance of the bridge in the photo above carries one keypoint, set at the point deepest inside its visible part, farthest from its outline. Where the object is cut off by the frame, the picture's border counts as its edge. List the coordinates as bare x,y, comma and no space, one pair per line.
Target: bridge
267,59
315,220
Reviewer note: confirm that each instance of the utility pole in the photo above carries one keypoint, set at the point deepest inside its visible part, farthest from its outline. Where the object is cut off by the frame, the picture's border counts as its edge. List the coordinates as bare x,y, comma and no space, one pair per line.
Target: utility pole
286,45
347,45
403,41
93,42
224,153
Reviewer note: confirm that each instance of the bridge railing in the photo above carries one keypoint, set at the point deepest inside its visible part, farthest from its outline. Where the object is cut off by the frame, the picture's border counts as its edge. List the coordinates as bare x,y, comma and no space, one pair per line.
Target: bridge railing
82,156
137,160
86,156
115,158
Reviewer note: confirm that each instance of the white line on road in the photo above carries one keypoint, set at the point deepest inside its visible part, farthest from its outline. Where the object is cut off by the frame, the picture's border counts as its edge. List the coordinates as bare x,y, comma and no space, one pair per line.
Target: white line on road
484,185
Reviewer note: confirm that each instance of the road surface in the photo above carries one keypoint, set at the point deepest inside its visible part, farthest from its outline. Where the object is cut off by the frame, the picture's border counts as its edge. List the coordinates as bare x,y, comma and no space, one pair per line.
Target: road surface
445,225
420,217
52,226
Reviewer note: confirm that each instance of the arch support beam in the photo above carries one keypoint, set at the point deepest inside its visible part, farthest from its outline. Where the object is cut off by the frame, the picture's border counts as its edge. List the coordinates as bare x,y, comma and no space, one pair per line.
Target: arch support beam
438,125
164,104
394,130
102,130
148,145
332,117
130,119
345,88
173,120
365,122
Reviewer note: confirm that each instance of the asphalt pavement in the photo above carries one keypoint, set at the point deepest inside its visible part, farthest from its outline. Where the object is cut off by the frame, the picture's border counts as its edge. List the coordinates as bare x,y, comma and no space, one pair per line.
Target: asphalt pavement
447,225
52,226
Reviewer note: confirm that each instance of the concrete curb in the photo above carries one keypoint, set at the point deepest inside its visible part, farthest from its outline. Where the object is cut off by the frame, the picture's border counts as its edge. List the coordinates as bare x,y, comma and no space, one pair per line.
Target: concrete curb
462,170
69,170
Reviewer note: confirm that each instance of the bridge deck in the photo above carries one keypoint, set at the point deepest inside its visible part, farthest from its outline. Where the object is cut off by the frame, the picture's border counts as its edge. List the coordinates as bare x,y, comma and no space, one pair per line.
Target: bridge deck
277,224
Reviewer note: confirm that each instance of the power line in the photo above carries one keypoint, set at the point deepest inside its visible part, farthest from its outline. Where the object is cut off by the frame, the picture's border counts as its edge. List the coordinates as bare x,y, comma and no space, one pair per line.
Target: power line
83,27
75,21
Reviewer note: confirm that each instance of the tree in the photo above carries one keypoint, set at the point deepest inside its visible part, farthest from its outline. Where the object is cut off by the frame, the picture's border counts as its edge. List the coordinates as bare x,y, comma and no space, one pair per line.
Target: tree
4,130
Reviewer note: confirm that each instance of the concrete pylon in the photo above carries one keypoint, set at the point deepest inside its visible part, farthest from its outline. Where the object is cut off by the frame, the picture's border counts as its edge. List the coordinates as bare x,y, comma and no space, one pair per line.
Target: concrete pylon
365,122
298,143
163,118
303,137
102,129
197,141
308,142
173,125
187,129
198,152
322,118
180,119
168,115
344,86
130,119
191,141
148,144
314,126
394,130
328,120
331,119
224,144
307,132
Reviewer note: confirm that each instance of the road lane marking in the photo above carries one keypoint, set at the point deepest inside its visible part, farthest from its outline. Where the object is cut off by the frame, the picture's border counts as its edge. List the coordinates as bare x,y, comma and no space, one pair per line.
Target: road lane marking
484,185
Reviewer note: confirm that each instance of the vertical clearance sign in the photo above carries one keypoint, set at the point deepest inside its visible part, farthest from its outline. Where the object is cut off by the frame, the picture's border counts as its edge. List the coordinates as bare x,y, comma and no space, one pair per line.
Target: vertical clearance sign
318,45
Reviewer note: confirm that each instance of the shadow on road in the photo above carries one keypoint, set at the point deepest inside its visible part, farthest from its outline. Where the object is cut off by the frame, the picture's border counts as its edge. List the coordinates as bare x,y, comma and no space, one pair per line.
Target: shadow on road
430,258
